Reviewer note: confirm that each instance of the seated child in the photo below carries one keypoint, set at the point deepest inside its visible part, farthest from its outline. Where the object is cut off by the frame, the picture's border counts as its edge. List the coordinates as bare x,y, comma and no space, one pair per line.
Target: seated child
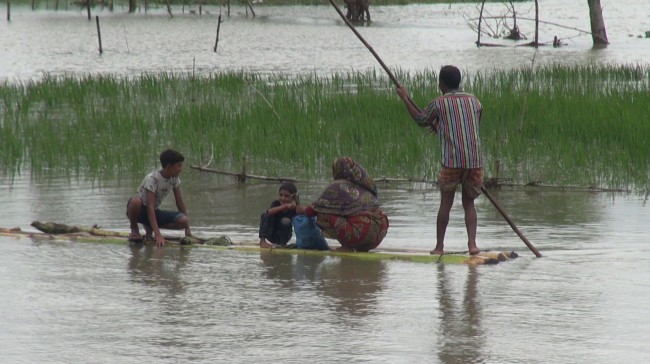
143,208
275,223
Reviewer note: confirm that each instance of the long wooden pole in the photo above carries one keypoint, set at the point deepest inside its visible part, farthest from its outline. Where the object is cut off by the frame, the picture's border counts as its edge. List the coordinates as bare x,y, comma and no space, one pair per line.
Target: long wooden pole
512,224
383,65
390,74
394,79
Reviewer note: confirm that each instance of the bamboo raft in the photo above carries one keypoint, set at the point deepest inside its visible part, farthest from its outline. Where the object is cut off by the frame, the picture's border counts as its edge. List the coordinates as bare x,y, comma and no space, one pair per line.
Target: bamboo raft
50,231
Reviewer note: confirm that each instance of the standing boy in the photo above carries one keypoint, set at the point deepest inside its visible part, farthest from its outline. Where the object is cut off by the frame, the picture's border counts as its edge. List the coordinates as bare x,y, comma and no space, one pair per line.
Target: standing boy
455,117
275,222
144,206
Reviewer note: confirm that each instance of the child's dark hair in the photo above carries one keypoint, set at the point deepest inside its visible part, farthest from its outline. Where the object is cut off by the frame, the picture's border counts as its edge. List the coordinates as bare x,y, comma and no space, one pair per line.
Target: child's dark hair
450,76
169,157
289,187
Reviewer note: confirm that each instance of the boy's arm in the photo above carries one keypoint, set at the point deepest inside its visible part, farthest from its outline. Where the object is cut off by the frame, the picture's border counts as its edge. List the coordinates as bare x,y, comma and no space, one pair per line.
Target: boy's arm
412,108
180,205
424,118
151,213
305,210
281,208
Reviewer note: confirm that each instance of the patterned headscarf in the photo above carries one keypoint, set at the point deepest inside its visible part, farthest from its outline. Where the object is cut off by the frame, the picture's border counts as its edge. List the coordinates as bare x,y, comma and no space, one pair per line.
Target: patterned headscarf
351,191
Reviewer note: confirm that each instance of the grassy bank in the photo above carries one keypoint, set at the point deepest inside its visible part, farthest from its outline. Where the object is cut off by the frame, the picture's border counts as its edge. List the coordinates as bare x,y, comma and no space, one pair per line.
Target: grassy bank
581,126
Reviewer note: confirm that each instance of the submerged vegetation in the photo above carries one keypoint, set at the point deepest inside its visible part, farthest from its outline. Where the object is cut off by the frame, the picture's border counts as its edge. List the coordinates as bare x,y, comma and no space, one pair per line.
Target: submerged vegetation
583,125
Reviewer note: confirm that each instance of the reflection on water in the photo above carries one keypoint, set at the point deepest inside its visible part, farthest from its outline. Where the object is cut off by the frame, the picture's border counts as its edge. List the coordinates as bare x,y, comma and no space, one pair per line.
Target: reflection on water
66,302
279,267
158,267
353,285
461,333
348,286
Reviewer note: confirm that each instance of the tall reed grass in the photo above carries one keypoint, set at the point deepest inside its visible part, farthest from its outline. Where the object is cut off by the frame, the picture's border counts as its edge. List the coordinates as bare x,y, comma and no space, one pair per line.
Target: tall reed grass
583,125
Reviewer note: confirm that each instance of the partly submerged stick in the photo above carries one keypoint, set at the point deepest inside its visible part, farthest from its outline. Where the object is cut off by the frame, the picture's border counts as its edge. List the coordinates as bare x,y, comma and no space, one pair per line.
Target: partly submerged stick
512,225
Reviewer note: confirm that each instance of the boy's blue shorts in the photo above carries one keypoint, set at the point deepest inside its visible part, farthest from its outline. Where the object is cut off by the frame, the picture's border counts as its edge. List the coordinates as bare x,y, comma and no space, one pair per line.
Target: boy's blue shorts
163,217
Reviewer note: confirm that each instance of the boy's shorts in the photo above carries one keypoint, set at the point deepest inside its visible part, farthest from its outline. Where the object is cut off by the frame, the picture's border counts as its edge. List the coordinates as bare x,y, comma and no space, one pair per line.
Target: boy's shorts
163,217
470,178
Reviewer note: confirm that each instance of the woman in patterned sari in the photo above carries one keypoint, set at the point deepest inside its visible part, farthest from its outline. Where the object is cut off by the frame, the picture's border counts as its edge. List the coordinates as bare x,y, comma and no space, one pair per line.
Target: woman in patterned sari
348,209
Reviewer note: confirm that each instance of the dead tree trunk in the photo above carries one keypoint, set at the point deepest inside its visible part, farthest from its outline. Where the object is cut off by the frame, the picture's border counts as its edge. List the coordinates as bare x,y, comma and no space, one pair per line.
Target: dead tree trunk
536,24
169,9
480,18
598,31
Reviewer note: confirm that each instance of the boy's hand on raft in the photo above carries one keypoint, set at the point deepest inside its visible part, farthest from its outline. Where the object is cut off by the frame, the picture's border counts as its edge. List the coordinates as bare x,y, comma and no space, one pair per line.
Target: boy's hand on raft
160,240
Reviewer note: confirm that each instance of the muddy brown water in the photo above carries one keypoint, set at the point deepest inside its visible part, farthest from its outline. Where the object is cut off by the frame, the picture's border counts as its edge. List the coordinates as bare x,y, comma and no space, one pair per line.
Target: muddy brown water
583,302
66,302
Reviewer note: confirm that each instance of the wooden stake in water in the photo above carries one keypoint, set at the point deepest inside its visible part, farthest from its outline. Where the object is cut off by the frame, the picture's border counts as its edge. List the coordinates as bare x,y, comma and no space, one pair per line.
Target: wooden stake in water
126,40
99,34
217,40
251,7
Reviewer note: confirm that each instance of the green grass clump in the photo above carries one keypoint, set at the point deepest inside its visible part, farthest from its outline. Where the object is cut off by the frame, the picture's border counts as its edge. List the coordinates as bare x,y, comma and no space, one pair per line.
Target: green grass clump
581,125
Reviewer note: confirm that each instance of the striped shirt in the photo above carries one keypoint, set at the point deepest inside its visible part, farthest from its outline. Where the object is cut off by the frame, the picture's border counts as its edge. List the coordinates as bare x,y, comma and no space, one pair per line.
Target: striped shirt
456,116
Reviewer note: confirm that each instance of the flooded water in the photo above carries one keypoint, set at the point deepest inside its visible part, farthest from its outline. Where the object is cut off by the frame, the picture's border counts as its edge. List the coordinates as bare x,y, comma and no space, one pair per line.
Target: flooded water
584,302
306,39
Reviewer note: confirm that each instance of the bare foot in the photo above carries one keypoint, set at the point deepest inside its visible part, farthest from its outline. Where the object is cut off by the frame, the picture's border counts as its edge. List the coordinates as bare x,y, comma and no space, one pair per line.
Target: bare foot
266,244
135,237
474,251
438,250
